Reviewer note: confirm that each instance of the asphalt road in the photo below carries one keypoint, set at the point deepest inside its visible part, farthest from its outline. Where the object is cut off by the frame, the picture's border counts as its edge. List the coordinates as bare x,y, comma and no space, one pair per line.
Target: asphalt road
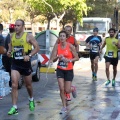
94,100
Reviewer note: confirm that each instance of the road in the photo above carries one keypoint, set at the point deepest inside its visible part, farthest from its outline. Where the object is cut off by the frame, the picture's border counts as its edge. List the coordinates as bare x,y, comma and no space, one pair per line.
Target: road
94,101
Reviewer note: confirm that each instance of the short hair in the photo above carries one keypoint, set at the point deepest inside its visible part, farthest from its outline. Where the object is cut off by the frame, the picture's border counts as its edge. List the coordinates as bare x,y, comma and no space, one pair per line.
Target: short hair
23,23
112,29
1,26
68,26
95,29
63,31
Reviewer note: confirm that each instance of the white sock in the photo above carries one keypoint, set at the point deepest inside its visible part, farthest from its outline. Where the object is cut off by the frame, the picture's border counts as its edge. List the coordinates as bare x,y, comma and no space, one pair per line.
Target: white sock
31,99
15,106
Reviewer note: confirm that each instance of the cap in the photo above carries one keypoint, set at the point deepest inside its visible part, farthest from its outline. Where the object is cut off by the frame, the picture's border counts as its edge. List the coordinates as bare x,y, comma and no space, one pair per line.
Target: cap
95,30
11,26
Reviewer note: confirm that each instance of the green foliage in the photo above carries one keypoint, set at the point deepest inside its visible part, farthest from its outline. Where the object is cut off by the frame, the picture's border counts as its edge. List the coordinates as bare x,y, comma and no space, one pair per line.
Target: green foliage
101,8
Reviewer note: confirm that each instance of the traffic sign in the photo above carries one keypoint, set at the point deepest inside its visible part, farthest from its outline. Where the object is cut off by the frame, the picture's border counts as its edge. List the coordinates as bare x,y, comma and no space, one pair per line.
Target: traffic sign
44,58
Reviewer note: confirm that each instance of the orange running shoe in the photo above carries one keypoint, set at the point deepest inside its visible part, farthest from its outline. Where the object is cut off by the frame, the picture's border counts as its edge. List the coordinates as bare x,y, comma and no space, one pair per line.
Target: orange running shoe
68,98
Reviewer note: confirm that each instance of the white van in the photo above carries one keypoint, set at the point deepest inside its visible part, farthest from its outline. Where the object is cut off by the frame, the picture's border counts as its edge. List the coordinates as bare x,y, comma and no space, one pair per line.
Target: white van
83,31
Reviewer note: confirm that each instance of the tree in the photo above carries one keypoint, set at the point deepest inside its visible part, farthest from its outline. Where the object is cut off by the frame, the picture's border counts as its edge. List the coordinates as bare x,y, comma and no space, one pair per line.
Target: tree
57,8
8,7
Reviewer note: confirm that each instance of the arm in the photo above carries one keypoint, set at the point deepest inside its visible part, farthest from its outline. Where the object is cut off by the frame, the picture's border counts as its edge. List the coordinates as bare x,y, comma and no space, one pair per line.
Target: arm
76,46
53,56
57,42
103,45
87,42
33,42
74,53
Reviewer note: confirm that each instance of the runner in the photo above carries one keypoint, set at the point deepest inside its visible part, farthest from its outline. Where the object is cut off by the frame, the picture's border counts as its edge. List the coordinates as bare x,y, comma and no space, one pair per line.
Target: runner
5,59
21,49
94,42
73,41
66,54
111,55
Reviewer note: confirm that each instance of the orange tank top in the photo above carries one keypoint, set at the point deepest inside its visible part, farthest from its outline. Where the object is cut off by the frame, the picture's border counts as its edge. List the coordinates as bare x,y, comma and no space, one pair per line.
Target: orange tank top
67,54
71,40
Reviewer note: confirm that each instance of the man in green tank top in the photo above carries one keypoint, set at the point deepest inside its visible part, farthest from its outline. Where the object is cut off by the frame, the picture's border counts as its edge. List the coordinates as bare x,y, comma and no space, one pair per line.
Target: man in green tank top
21,48
111,55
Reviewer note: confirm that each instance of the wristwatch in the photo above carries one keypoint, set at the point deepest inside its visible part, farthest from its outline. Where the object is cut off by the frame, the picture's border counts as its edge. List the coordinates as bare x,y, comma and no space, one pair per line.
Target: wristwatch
70,60
30,55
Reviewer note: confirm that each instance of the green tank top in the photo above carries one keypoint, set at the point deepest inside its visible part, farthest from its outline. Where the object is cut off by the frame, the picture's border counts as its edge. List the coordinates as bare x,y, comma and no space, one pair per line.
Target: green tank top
111,49
20,46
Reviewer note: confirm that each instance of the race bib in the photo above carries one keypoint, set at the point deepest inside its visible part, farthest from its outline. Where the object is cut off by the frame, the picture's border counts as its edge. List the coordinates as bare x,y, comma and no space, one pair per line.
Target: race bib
110,54
62,64
18,53
95,48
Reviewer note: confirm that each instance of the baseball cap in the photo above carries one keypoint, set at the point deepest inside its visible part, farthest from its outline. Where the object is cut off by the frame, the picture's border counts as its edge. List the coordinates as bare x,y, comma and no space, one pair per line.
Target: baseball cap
12,26
95,29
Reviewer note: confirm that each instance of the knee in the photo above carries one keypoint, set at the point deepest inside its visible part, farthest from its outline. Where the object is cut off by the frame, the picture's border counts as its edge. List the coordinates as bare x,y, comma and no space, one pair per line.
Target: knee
62,90
14,85
28,85
107,68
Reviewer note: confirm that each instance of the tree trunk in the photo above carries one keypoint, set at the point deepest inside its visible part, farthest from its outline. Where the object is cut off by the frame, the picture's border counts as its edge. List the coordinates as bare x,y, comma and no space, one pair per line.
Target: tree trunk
48,25
32,26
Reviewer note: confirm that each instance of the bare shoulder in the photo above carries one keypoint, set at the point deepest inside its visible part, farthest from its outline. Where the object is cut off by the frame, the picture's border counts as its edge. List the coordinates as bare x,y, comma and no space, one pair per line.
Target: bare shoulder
30,38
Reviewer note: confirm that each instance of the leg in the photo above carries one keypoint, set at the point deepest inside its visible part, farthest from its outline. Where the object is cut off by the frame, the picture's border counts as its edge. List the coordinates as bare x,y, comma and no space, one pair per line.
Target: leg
96,64
107,70
68,86
28,84
15,75
92,66
114,72
61,87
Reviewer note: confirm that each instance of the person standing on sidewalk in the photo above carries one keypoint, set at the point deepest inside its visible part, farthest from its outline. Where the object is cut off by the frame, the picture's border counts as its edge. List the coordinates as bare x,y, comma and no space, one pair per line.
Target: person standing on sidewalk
94,42
111,55
5,59
70,39
2,48
20,48
66,54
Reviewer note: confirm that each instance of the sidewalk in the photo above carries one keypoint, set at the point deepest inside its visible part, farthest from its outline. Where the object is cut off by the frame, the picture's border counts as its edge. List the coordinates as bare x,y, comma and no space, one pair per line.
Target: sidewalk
94,100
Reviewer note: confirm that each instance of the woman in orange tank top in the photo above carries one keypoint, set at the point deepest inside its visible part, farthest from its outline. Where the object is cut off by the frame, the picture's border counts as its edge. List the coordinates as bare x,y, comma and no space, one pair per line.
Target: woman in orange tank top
66,55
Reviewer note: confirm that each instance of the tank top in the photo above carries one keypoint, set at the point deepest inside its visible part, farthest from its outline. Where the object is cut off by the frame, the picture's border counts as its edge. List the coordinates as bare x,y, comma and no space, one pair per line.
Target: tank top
111,49
67,54
20,46
71,40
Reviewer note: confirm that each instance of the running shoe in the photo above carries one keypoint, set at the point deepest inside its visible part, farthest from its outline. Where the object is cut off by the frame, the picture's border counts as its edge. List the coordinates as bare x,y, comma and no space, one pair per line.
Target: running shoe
68,98
107,82
95,78
31,105
113,83
63,110
74,92
1,97
13,111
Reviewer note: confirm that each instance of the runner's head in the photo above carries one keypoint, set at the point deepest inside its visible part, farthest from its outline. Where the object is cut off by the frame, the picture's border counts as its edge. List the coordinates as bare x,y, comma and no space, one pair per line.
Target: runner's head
95,31
19,26
12,28
63,36
68,29
112,32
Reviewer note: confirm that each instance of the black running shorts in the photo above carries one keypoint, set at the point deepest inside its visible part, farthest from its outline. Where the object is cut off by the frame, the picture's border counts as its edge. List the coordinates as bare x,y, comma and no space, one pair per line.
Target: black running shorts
113,61
93,55
67,75
24,68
